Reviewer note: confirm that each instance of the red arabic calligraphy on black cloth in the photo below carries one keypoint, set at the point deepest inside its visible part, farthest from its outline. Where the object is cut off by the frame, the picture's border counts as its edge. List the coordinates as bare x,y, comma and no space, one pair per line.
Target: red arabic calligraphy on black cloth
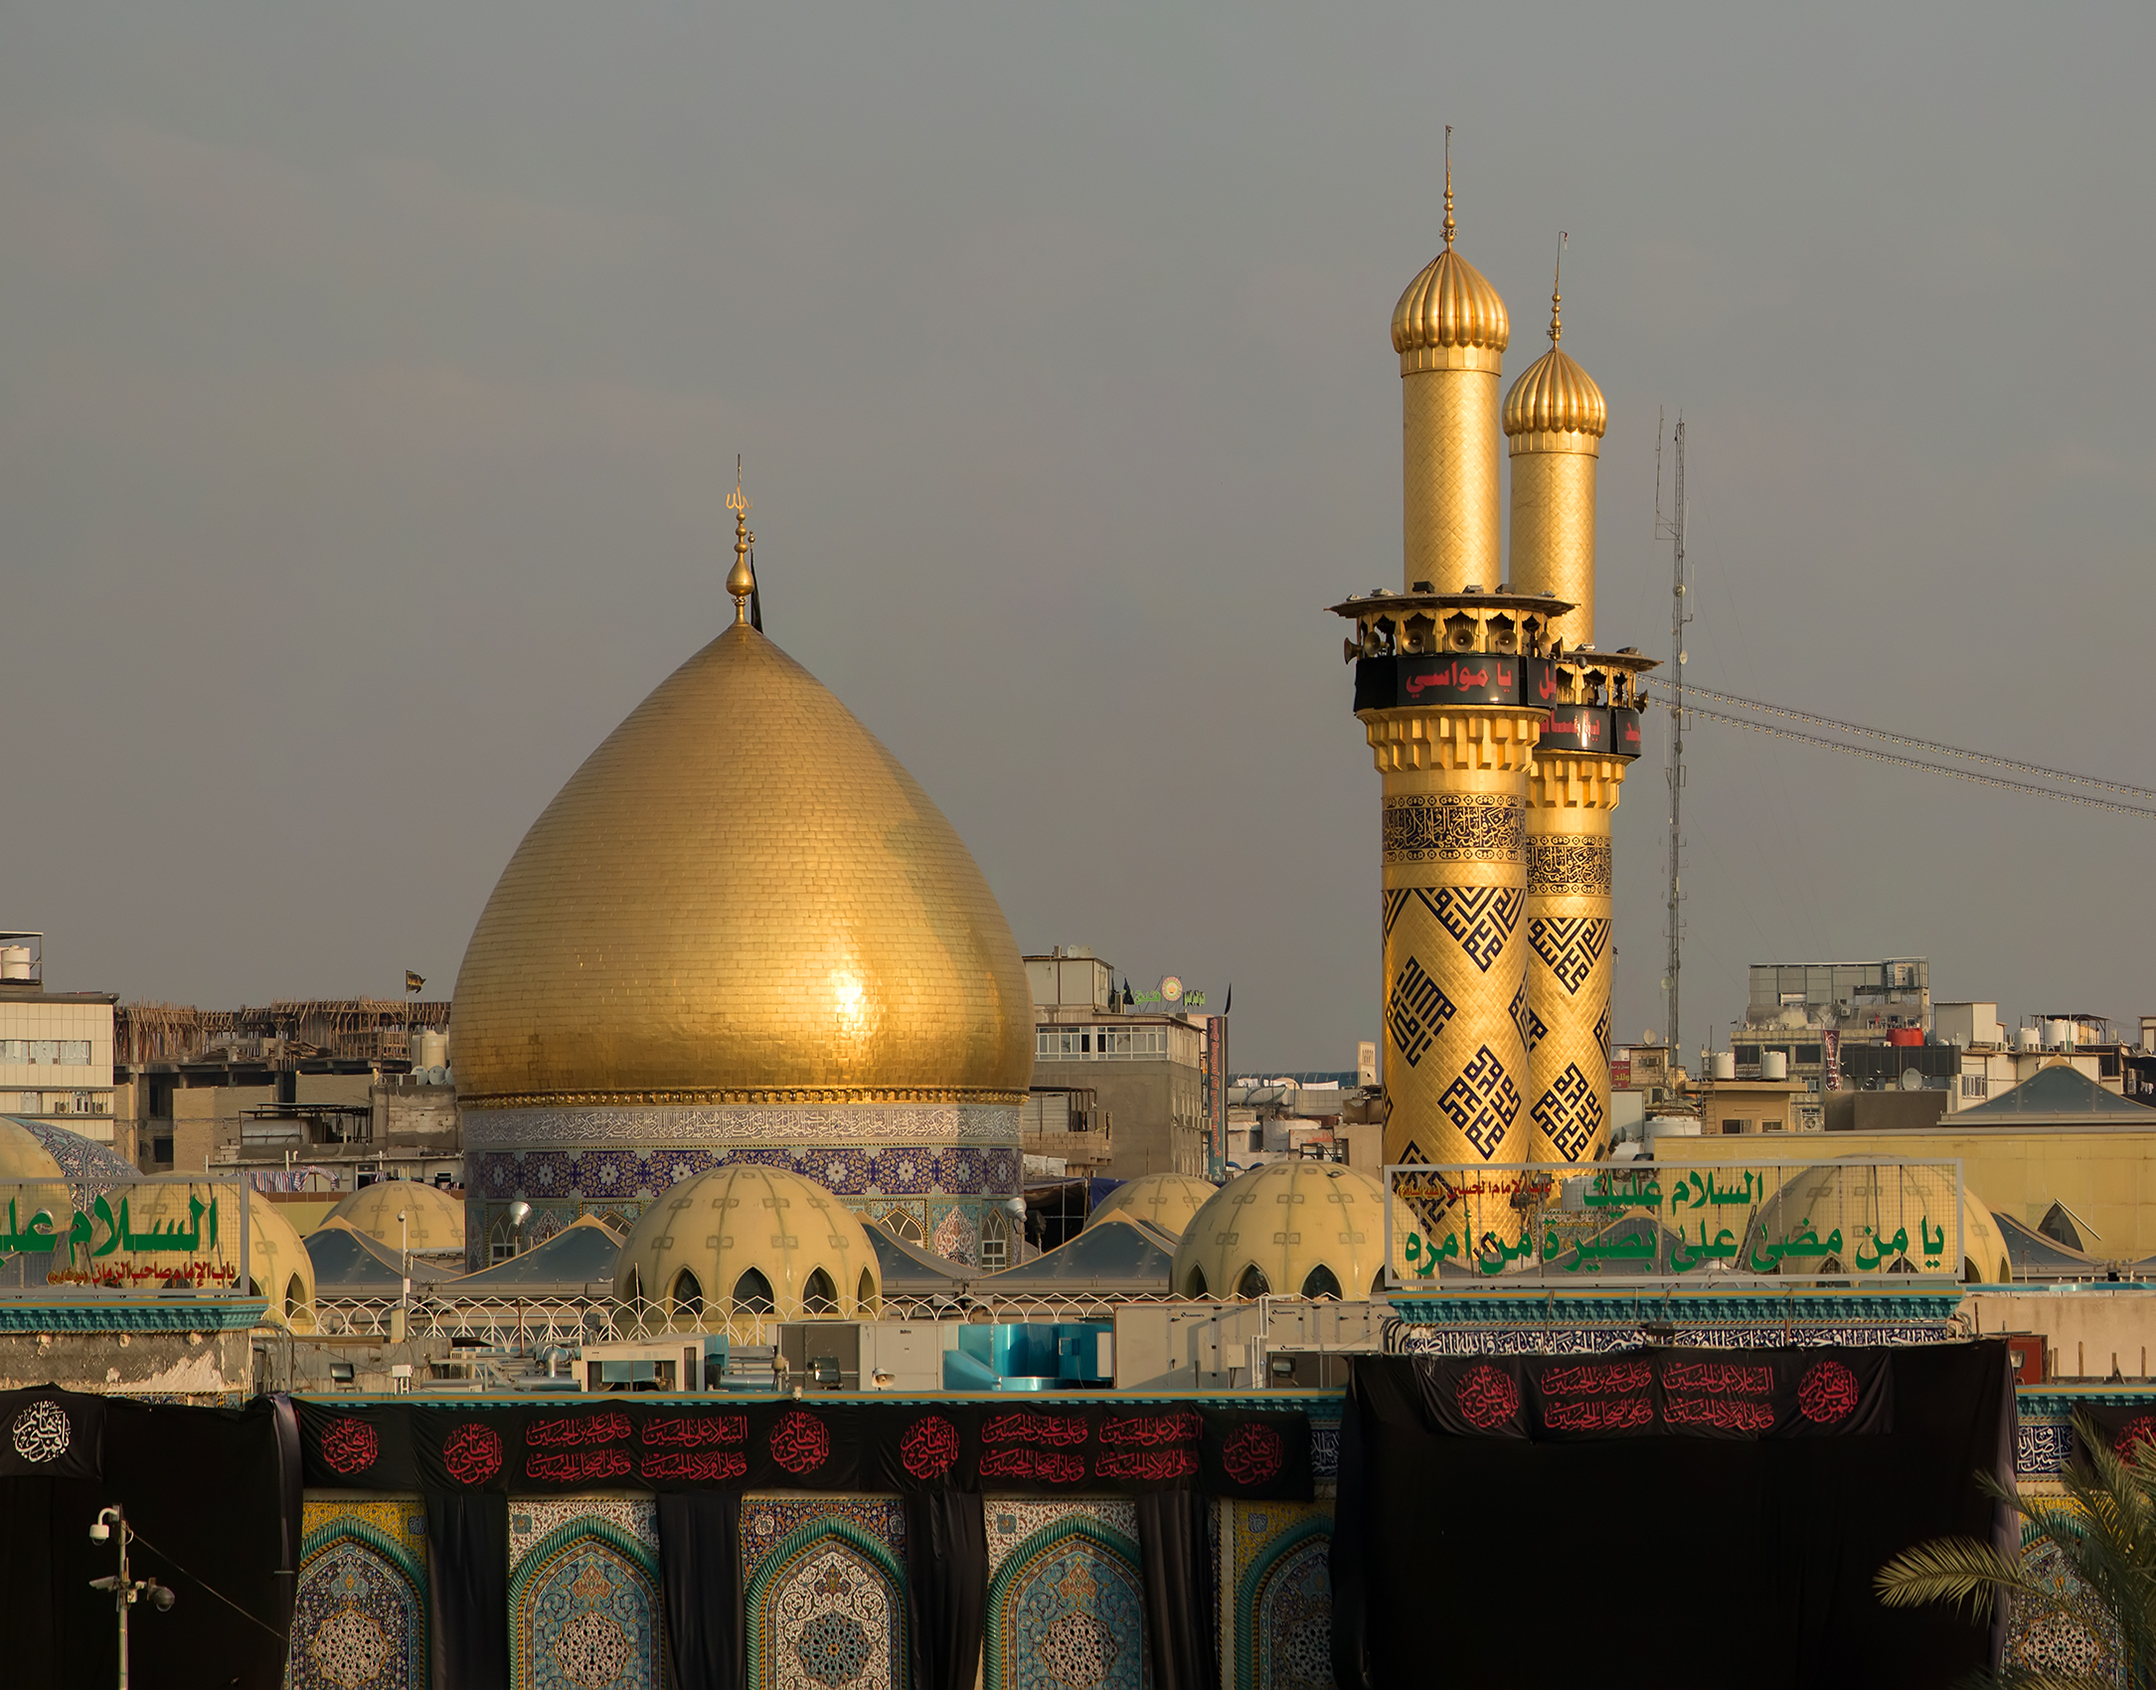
1786,1393
677,1443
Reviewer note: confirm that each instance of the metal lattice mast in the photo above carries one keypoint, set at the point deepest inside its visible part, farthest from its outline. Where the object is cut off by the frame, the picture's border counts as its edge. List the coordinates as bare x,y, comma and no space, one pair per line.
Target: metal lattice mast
1673,531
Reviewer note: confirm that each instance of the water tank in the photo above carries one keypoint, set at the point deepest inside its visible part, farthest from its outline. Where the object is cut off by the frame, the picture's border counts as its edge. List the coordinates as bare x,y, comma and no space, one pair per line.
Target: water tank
437,1075
14,962
1725,1065
1773,1065
2058,1035
430,1049
2029,1038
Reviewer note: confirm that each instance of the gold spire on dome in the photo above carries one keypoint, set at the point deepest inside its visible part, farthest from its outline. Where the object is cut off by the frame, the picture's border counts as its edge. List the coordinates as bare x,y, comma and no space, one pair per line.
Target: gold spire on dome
1554,395
741,579
1449,225
1448,314
1557,297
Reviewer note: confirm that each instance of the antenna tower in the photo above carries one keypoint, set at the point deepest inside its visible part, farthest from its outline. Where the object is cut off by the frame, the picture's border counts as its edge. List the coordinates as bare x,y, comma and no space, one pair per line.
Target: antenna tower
1672,530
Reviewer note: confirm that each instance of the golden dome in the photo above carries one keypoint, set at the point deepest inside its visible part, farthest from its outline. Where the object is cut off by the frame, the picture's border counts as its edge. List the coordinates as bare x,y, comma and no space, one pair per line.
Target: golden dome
1449,305
742,897
1293,1228
744,1240
1167,1201
434,1220
1555,396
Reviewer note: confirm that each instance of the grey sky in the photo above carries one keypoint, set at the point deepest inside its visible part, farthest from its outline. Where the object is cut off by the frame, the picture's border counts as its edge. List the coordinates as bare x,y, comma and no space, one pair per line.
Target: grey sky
370,380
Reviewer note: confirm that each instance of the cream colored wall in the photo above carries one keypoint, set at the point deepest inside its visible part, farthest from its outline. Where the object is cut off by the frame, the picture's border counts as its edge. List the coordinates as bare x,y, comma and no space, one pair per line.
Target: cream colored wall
2107,1176
2088,1329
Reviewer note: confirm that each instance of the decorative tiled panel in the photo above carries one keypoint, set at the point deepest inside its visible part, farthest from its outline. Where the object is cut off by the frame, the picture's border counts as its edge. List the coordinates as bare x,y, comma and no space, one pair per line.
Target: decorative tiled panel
743,1124
360,1622
766,1522
532,1520
1597,1340
584,1595
825,1594
1065,1598
538,1174
1278,1608
2051,1639
2042,1447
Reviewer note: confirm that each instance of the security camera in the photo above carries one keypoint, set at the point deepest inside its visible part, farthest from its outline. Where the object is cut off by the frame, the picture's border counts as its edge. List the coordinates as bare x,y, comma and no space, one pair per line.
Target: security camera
162,1598
101,1527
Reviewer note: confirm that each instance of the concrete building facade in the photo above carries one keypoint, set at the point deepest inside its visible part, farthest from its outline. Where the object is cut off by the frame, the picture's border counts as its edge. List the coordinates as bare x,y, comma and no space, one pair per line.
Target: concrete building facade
1146,1071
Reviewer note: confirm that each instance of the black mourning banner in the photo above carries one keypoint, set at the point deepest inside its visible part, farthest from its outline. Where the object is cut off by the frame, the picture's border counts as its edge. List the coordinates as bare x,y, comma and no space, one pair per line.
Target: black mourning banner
1783,1393
1777,1537
2123,1427
612,1443
51,1434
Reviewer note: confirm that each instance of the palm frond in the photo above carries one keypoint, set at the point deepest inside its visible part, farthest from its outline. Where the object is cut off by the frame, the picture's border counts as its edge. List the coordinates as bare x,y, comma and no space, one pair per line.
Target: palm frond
1952,1570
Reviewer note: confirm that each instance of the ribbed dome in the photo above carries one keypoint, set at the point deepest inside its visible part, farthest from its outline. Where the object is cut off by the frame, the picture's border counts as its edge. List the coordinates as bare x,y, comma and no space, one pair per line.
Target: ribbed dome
1555,396
1167,1201
745,1240
1292,1228
1449,304
433,1223
741,897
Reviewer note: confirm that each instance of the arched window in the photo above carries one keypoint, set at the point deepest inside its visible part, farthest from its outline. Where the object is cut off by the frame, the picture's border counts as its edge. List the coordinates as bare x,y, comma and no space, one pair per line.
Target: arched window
819,1295
502,1240
295,1296
1195,1286
1377,1283
752,1294
864,1294
688,1295
900,1224
1319,1282
1253,1283
995,1239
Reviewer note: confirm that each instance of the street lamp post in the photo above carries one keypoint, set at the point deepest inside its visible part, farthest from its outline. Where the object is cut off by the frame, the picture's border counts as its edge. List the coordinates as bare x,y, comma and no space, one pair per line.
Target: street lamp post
126,1592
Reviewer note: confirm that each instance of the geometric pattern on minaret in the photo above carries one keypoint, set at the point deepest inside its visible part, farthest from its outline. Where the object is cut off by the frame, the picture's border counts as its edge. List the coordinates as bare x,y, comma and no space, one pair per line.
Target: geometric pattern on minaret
1554,419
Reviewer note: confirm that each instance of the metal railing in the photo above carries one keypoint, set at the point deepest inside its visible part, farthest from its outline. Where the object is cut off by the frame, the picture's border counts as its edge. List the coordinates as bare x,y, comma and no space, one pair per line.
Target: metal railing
521,1322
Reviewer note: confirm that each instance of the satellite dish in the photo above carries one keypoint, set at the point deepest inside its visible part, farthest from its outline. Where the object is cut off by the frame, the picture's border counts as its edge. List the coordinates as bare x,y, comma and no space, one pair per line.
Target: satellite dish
1911,1080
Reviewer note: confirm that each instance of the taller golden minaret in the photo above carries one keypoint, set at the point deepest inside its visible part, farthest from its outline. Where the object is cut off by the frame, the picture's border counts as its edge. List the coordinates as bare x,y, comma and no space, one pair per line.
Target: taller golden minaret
1498,734
1439,692
1554,419
1450,330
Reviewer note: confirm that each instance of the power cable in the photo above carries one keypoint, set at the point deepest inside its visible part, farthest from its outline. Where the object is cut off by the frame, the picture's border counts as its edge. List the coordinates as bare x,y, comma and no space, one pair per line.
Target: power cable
1934,768
2037,769
206,1585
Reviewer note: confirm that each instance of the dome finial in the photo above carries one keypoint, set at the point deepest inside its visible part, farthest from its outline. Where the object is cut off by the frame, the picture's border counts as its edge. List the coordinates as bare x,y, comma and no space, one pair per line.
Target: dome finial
1448,185
1557,327
740,580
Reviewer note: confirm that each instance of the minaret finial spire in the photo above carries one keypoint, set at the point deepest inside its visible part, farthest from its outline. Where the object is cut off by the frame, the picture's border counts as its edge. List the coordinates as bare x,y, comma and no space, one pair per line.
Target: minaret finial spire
1557,327
1448,186
740,580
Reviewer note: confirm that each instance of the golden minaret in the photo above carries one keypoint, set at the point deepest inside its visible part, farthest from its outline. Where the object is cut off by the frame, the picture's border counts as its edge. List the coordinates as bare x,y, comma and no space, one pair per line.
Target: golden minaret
1499,735
1554,419
1442,705
1450,331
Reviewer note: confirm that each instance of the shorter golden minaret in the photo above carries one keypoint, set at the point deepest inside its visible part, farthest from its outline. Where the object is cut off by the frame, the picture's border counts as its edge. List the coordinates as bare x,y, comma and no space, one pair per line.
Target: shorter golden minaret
1554,419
